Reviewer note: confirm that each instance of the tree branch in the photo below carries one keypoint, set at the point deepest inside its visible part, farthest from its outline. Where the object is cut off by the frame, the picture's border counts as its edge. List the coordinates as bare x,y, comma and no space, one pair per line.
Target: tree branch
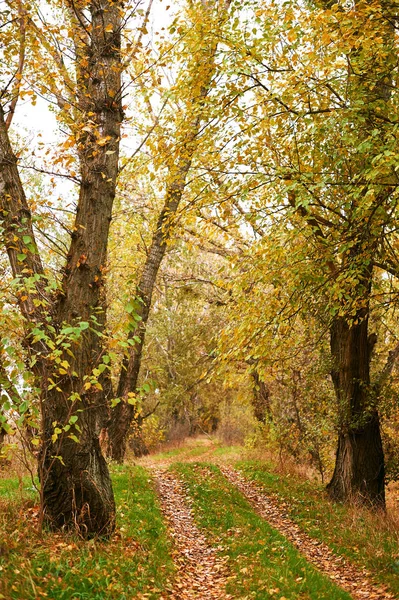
16,219
21,62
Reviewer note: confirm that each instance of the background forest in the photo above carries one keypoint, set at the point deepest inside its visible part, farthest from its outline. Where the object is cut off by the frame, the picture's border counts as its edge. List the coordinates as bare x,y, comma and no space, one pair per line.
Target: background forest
199,224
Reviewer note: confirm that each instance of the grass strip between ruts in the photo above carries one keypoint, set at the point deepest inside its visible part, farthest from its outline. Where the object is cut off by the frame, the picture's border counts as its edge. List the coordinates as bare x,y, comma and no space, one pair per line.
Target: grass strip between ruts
263,563
356,533
136,561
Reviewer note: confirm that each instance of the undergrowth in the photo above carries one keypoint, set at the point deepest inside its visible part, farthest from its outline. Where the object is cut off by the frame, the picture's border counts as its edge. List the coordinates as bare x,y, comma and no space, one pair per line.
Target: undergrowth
193,449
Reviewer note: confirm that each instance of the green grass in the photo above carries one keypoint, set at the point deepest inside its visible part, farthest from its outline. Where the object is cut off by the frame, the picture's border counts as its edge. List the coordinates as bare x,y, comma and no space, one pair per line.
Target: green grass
263,563
228,451
366,539
135,562
184,452
14,489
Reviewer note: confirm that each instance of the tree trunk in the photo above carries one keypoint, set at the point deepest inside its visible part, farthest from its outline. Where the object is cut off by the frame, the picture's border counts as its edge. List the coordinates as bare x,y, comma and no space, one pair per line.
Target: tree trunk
76,487
136,440
261,399
359,470
203,69
359,473
76,490
123,414
3,434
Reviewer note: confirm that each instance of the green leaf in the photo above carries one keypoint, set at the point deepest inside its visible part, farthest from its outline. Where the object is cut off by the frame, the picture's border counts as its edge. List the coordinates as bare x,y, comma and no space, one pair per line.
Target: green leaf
129,307
67,330
23,407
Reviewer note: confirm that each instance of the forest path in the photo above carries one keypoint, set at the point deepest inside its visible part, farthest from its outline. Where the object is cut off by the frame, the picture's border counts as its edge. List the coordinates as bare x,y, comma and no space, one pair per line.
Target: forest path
201,572
337,568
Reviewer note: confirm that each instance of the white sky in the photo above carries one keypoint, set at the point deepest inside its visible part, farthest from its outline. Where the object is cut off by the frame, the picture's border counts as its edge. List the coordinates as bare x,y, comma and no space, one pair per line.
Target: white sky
40,119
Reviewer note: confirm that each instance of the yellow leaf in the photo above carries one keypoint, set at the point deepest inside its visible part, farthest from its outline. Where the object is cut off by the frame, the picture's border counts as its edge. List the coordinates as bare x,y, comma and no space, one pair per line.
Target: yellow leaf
104,140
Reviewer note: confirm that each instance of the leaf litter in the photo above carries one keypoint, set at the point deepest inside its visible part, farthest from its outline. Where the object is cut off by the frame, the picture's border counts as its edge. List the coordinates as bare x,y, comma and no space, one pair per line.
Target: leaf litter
201,572
352,579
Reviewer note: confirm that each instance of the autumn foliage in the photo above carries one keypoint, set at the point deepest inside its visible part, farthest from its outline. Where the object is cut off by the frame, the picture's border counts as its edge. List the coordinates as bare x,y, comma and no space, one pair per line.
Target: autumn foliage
202,236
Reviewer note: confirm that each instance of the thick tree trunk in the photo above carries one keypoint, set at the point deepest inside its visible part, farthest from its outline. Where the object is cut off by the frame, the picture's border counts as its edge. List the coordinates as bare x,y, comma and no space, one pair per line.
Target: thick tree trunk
77,490
75,483
359,469
76,487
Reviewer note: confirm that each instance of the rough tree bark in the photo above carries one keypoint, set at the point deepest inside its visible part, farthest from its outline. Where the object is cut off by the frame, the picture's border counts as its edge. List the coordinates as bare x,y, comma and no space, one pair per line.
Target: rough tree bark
204,67
359,474
76,487
359,469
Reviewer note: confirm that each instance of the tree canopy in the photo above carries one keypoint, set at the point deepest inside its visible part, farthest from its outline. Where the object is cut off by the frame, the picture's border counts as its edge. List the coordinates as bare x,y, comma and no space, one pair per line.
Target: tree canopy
206,220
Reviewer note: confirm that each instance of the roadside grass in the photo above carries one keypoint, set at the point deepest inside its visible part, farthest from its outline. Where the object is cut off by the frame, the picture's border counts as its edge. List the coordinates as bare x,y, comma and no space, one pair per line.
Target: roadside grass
263,563
368,540
136,563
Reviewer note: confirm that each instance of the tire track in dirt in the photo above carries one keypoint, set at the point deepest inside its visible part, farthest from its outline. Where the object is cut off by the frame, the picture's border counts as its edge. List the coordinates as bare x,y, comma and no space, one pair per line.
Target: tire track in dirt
342,572
201,573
